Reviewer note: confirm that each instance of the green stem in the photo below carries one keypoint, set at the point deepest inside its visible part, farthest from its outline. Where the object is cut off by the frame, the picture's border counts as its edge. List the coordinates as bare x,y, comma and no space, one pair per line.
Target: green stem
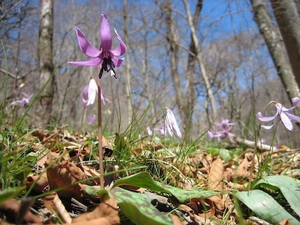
100,135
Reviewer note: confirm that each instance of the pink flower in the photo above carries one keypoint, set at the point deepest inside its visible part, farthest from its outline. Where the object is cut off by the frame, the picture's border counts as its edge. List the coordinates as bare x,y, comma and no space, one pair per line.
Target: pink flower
105,57
92,119
89,93
283,113
222,130
24,101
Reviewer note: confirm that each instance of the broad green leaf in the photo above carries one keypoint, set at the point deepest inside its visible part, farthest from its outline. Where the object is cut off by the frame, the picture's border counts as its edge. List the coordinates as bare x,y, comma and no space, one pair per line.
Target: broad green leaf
264,206
225,154
9,193
138,208
144,180
288,186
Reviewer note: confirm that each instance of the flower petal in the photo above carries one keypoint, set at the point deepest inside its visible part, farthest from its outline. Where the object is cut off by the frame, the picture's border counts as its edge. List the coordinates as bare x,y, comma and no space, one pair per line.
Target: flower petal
85,45
106,40
262,118
121,48
172,123
92,92
268,127
286,121
293,117
296,102
85,96
93,62
117,62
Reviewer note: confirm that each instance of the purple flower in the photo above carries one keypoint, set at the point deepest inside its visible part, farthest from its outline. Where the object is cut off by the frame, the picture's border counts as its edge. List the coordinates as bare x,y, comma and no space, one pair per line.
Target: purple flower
284,116
24,102
92,119
222,130
89,93
105,57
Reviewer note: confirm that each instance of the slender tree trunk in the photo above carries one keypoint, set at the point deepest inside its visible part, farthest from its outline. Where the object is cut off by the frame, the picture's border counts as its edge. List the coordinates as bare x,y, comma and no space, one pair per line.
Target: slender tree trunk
189,108
276,48
127,65
288,20
174,60
205,76
45,54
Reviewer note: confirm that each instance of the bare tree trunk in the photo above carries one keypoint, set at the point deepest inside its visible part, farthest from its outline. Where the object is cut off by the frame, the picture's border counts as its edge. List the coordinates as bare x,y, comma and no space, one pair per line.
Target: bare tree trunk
45,53
288,20
210,95
174,60
191,76
127,65
276,48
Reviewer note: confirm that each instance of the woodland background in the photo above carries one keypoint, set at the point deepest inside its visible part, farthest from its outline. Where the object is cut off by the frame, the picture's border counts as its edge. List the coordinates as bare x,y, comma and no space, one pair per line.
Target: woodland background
238,59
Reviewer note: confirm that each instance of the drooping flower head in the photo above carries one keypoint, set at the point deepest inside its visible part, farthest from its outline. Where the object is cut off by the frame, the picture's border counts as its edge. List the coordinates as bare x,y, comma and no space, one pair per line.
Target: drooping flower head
221,130
24,102
89,93
171,124
105,56
283,113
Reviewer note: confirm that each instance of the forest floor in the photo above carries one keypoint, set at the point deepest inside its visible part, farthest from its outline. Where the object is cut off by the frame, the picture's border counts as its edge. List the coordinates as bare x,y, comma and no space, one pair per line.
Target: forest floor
53,177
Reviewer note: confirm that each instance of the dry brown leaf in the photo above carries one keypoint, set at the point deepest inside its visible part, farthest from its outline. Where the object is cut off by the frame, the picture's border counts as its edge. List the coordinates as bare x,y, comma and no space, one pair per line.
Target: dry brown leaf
215,176
175,220
40,183
285,222
12,207
54,205
246,168
62,174
106,213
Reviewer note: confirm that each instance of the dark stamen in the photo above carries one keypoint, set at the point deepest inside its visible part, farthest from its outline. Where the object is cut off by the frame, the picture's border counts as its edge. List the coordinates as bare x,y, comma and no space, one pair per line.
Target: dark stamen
107,65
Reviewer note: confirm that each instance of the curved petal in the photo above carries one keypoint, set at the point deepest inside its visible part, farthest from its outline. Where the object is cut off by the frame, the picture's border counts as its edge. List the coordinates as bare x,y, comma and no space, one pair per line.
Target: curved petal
262,118
85,45
117,61
85,96
296,102
268,127
92,92
121,48
105,35
93,62
286,121
293,117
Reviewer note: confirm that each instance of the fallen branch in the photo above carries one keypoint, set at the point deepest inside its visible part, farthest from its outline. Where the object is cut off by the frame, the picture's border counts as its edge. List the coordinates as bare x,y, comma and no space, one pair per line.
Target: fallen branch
251,144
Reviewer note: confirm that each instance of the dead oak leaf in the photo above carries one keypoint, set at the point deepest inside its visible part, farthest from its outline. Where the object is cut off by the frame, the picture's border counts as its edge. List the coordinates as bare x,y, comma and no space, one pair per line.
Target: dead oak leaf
64,174
106,213
246,168
215,176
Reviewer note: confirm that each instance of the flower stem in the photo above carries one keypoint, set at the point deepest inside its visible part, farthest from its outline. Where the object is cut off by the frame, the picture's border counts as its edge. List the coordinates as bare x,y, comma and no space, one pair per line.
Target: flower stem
100,135
82,119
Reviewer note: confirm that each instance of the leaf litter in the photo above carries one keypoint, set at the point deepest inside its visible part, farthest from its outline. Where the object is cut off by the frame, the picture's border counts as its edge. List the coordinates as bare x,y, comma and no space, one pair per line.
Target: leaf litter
148,183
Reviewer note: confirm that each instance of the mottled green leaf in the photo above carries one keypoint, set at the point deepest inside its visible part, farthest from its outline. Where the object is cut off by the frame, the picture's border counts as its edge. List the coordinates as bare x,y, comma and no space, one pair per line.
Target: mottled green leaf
144,180
265,207
288,186
138,208
9,193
